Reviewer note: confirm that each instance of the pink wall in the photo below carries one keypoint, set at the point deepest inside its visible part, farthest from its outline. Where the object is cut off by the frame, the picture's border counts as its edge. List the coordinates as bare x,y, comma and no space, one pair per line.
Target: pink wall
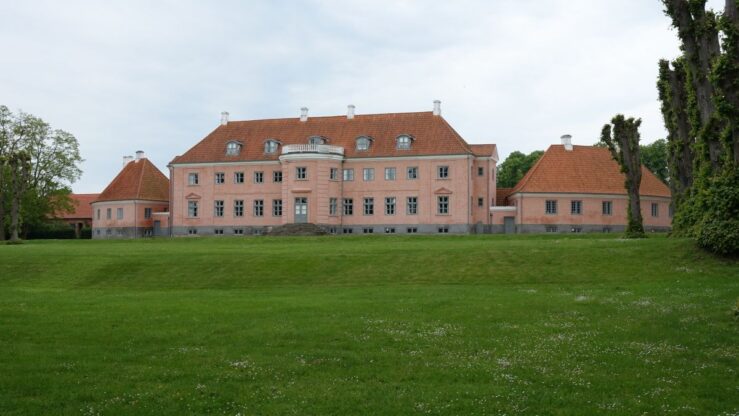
133,214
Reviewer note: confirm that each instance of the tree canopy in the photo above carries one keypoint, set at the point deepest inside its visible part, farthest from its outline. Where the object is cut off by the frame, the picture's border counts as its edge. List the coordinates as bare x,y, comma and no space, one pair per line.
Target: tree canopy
515,167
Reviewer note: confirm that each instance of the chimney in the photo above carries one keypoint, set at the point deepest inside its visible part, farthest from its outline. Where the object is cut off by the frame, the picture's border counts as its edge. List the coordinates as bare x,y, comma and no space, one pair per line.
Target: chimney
304,114
567,142
127,160
224,118
437,107
350,111
140,154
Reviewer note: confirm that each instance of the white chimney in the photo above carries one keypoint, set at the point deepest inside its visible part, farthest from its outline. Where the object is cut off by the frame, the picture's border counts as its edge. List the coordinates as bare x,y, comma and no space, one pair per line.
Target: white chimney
140,154
437,107
224,118
350,111
304,114
567,142
127,160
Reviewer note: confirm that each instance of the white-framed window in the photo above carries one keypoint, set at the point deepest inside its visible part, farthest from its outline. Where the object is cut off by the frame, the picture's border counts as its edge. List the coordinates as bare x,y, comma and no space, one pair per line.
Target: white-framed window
389,174
238,177
147,213
655,209
119,213
301,173
403,142
276,207
193,178
390,205
108,213
332,205
368,174
442,172
258,177
411,205
218,208
550,206
333,174
316,140
192,209
369,206
442,204
277,176
233,148
270,146
258,207
219,178
348,206
576,207
363,143
238,208
412,172
348,174
607,208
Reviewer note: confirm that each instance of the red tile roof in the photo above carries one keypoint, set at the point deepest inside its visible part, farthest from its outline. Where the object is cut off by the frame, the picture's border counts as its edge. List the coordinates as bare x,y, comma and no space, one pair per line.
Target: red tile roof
585,169
139,179
483,149
432,135
81,207
501,196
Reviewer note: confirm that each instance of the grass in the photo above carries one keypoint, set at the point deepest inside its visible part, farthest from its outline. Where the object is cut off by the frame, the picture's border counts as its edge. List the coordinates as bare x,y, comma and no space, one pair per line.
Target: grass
368,325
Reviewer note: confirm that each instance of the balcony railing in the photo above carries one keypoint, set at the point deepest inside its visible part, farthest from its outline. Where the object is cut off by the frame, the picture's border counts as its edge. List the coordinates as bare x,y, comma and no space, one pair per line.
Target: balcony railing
312,148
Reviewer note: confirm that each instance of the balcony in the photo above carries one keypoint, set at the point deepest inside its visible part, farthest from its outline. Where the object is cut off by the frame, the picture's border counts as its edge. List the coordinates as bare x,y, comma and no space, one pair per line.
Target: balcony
312,148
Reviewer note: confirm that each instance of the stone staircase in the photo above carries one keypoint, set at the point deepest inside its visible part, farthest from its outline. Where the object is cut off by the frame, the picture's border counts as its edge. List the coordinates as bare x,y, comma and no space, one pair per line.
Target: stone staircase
296,229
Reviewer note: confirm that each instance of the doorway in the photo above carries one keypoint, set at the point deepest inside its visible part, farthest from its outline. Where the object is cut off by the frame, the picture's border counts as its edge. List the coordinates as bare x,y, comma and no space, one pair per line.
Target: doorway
301,210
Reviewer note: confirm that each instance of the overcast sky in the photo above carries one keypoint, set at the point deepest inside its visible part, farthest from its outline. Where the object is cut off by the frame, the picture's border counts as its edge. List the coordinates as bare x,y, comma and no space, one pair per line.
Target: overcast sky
155,76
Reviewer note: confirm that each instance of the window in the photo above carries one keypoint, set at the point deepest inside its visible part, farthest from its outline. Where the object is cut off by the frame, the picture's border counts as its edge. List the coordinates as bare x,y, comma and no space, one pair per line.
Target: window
442,206
147,213
346,230
332,230
411,230
411,205
258,207
607,208
238,231
348,206
218,208
277,176
333,174
258,177
363,143
239,208
576,207
98,213
316,140
276,207
332,202
348,174
551,228
192,179
97,232
119,213
442,172
368,230
218,231
301,173
389,230
369,206
108,232
403,142
655,209
389,174
233,148
238,177
390,205
480,171
412,172
192,231
606,229
576,229
220,178
108,213
480,202
550,206
270,146
259,231
192,209
368,174
444,229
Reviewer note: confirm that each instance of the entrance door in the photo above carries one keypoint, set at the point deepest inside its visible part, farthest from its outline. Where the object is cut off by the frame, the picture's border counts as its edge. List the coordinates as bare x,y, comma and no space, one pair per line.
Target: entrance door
157,228
301,210
509,225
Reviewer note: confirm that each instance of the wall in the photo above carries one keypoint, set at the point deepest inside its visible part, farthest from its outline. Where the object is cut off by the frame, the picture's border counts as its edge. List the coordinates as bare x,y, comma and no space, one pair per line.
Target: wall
133,223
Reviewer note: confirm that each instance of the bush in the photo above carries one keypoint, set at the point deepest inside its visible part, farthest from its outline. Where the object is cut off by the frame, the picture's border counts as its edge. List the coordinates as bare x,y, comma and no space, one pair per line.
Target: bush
718,229
59,231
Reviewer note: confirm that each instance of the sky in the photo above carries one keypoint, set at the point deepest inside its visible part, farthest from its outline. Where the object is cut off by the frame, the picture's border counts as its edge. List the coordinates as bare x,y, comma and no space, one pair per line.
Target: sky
155,75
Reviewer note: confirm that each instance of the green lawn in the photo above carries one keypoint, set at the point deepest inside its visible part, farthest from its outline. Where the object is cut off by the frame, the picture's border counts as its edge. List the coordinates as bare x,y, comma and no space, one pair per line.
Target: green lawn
578,325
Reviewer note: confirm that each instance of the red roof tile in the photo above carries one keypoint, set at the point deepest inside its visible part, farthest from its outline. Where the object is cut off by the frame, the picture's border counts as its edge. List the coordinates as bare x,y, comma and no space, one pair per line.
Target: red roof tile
585,169
432,135
139,179
81,207
483,149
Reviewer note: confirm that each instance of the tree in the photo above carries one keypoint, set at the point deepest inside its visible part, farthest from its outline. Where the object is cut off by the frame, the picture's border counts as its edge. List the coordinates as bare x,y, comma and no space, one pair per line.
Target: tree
654,158
515,167
622,140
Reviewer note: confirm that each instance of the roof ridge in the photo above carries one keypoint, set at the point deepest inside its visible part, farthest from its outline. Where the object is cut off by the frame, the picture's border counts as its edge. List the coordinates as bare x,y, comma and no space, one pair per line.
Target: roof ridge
141,177
332,116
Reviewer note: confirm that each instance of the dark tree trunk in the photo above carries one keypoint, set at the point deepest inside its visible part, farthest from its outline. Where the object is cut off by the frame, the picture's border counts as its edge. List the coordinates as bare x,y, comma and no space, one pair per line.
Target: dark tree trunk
2,202
728,82
20,170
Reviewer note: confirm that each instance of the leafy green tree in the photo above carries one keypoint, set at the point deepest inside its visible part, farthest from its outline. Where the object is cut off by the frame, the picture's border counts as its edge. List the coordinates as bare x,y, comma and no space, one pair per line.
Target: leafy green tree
515,167
654,157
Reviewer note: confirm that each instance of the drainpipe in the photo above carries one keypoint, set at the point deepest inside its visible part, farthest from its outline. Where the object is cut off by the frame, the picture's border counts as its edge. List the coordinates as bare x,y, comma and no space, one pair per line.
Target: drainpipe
170,221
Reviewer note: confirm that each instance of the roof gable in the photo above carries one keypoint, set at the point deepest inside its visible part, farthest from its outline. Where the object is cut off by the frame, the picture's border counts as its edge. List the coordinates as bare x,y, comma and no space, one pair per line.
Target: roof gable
139,179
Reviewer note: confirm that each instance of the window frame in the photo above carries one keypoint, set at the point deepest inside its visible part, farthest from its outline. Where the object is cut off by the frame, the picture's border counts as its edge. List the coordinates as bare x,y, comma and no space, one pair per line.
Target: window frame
233,148
192,209
442,206
347,206
411,207
403,142
219,208
408,171
301,173
239,177
347,175
368,206
258,176
193,179
391,173
276,176
576,203
219,178
277,207
442,169
368,174
609,210
238,206
550,207
258,208
391,205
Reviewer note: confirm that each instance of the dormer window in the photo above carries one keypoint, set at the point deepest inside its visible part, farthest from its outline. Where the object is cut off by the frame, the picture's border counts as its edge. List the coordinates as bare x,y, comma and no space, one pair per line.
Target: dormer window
233,148
403,142
271,145
316,140
363,143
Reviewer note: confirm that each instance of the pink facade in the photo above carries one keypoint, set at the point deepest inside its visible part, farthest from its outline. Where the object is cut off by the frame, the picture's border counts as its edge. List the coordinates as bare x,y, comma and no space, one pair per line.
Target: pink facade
126,219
